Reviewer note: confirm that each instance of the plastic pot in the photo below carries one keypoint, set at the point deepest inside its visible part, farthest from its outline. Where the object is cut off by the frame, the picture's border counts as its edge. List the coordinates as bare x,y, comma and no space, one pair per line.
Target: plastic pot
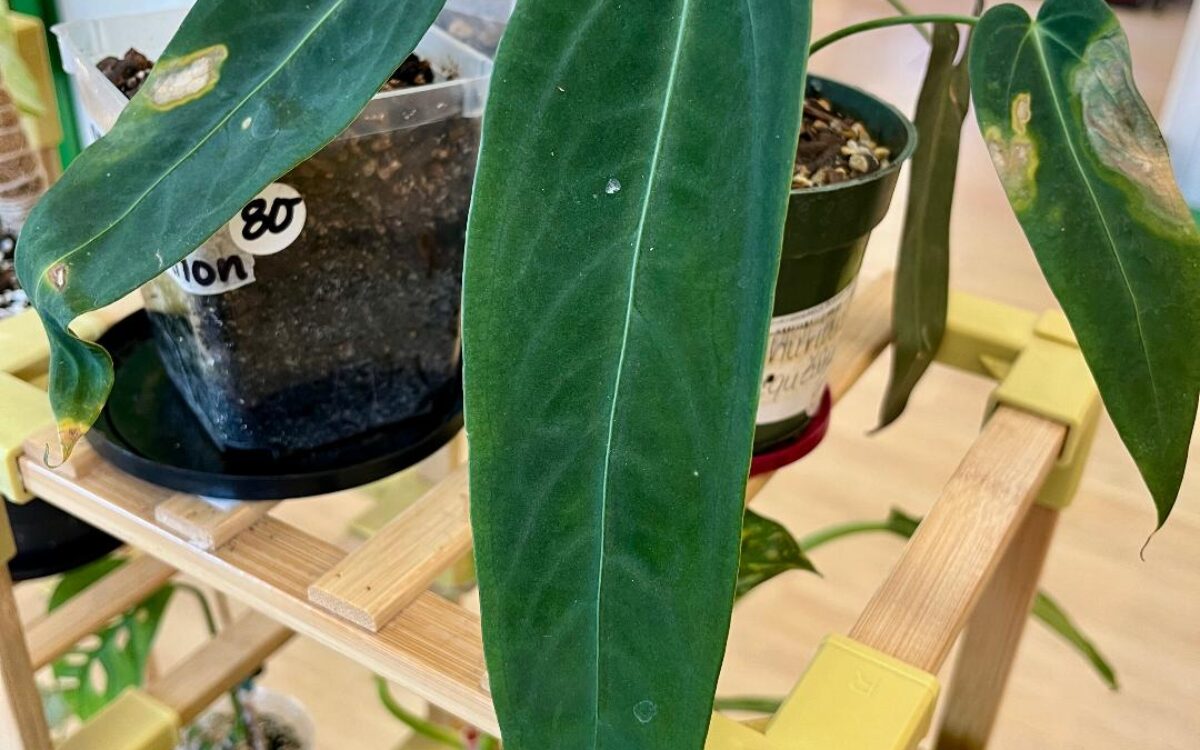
330,305
477,23
51,541
824,240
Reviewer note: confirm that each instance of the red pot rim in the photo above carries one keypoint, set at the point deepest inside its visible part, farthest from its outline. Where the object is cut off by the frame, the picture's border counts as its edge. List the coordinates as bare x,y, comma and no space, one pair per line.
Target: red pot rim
798,447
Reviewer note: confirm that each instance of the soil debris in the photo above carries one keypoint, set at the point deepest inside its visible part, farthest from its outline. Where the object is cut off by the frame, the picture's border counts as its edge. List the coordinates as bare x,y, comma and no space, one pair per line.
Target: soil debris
834,147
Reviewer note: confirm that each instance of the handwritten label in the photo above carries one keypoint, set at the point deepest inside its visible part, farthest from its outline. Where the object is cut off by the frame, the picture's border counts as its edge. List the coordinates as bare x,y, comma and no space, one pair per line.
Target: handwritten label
213,270
799,352
271,222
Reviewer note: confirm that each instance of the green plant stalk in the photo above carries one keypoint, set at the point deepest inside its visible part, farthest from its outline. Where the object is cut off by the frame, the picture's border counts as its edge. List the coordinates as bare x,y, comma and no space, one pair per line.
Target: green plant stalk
882,23
240,730
751,703
904,10
423,727
833,533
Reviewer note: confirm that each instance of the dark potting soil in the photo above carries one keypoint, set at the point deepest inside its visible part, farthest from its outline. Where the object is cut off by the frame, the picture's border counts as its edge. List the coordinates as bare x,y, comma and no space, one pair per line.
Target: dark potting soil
274,733
12,297
834,147
127,72
353,326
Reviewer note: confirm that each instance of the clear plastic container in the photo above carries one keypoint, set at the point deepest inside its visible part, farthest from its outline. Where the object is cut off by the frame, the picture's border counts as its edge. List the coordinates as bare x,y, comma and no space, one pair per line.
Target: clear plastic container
305,322
478,23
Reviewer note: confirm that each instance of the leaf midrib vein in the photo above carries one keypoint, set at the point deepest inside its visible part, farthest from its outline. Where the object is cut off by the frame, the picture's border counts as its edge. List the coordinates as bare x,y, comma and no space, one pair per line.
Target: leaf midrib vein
337,5
672,76
1112,245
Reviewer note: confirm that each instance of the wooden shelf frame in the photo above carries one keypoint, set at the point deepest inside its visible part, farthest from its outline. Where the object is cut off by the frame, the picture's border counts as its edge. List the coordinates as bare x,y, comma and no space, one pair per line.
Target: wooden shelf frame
433,647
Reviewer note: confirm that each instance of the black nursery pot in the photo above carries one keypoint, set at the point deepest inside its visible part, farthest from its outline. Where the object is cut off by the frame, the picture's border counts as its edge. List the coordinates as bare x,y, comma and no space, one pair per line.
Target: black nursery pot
330,305
51,541
824,240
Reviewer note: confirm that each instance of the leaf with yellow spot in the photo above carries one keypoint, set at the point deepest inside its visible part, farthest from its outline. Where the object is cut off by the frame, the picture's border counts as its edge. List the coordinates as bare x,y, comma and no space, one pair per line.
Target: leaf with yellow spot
1085,167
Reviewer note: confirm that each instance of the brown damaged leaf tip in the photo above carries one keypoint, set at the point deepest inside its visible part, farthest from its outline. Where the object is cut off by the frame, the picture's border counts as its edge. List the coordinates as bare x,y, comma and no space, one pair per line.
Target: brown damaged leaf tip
68,436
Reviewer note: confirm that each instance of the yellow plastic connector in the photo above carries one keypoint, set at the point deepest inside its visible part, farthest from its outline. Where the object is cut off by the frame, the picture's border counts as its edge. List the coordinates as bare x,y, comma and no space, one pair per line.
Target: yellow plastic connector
24,411
8,544
726,734
853,696
134,721
24,348
1041,371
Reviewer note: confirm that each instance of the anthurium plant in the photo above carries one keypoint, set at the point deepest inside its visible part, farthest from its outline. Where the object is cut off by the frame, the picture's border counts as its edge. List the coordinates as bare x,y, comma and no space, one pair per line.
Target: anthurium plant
621,257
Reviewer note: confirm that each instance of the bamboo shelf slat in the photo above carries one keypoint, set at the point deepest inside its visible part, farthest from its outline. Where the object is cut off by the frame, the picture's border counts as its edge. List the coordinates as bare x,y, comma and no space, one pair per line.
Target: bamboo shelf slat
56,632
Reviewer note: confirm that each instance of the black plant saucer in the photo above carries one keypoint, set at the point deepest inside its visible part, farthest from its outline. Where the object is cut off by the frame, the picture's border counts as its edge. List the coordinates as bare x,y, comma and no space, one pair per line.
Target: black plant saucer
150,432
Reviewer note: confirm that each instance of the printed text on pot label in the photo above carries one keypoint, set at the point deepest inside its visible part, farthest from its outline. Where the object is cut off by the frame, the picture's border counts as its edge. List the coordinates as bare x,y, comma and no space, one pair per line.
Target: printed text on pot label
799,353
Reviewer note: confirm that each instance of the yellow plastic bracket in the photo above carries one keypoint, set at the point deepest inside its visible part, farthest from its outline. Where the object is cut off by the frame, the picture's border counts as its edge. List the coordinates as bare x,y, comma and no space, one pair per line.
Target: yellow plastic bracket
134,721
1041,371
24,411
24,348
8,544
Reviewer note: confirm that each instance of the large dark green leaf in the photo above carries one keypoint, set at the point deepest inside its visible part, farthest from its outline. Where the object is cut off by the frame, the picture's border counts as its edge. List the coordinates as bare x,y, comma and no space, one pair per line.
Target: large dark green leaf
1087,173
247,89
768,549
923,264
622,250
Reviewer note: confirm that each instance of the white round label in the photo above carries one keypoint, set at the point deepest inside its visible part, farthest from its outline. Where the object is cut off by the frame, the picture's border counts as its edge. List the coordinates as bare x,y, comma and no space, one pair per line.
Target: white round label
799,352
271,222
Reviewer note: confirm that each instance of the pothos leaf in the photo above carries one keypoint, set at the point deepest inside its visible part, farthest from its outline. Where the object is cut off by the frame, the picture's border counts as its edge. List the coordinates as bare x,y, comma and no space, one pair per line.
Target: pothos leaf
245,90
923,265
768,549
100,668
1087,173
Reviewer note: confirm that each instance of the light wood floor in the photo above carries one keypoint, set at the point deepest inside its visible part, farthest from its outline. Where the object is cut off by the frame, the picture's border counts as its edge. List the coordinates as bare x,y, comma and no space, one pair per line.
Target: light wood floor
1144,615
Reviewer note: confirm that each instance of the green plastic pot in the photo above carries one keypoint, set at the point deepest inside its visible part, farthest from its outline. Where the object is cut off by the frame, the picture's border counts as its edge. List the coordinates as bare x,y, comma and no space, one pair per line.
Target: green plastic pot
824,240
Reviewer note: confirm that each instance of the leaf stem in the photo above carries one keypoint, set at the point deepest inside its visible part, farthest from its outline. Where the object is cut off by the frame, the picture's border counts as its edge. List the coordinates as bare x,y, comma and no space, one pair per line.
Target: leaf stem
751,703
241,728
881,23
904,10
833,533
425,728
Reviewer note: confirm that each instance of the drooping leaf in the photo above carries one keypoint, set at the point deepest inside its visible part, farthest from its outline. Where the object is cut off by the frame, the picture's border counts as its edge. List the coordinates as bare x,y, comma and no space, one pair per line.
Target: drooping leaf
923,265
1086,170
622,249
1053,617
245,90
118,653
768,549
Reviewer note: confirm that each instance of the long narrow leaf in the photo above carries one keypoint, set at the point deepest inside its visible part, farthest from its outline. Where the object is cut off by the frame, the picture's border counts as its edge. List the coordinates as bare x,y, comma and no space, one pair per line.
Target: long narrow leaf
622,250
1087,173
1053,617
923,264
245,90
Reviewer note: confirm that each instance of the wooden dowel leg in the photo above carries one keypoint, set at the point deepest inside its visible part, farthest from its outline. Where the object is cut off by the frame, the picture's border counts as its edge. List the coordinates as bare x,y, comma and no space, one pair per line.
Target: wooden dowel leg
993,635
22,723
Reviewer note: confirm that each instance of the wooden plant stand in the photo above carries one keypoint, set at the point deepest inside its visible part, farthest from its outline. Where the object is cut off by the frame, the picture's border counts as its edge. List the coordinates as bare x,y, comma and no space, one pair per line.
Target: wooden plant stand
973,565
